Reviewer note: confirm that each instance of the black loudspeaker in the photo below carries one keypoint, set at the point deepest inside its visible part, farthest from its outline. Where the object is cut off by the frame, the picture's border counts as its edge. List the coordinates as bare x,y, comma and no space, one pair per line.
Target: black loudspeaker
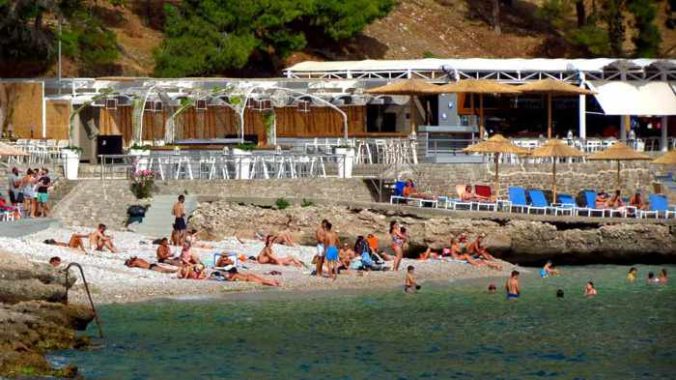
108,145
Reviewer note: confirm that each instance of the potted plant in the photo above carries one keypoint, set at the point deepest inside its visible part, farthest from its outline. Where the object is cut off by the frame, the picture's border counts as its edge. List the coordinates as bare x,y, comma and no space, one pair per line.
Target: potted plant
345,155
241,153
142,183
269,119
141,154
71,161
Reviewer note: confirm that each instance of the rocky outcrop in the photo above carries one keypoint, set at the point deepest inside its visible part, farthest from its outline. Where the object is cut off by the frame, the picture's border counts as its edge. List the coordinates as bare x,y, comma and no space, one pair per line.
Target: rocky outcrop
35,318
522,241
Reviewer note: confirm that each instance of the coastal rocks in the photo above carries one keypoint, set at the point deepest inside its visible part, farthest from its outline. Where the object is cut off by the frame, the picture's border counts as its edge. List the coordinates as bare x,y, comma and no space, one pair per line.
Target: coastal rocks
522,241
34,317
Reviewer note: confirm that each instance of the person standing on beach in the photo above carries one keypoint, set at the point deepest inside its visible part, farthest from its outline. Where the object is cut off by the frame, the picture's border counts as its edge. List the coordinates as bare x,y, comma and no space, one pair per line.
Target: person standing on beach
512,286
44,183
331,243
180,226
398,241
320,236
15,194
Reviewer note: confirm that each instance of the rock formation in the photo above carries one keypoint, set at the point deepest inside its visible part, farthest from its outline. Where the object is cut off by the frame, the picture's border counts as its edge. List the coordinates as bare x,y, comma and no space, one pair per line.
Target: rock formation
522,241
35,317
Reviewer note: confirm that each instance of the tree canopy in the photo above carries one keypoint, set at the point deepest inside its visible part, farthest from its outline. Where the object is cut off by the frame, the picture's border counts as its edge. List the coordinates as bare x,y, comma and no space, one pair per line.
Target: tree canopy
206,37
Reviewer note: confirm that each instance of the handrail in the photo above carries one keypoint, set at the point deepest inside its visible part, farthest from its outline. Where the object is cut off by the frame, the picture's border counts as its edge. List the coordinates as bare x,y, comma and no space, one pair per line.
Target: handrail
91,302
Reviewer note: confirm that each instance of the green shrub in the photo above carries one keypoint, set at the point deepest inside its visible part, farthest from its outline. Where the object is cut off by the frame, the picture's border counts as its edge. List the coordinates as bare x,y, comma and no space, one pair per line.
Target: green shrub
282,203
307,203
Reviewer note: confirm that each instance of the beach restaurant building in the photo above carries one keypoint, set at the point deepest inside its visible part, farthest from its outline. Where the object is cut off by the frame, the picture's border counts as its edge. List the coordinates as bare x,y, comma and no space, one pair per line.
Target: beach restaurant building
631,100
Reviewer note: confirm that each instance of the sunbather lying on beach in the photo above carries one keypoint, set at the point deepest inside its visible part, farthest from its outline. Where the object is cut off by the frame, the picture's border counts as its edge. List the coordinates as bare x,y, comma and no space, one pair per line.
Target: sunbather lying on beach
636,200
135,262
410,191
164,254
75,242
455,251
615,201
475,248
266,256
234,275
192,272
99,240
229,258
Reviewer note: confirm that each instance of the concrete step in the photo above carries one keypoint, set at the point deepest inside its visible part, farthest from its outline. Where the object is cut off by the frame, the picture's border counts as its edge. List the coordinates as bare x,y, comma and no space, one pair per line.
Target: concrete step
158,219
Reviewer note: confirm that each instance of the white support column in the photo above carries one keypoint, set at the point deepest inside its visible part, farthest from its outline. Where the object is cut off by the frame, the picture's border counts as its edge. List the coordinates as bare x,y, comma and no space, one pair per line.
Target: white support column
664,141
582,115
625,118
44,113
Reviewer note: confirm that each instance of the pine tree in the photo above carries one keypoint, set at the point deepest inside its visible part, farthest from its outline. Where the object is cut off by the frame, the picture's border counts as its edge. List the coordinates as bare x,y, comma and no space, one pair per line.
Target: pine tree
647,39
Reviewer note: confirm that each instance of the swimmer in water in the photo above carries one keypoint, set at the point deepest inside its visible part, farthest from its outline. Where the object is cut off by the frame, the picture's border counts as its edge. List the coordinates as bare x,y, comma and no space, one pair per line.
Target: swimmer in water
410,283
589,290
633,273
548,270
663,278
652,279
512,286
559,293
492,288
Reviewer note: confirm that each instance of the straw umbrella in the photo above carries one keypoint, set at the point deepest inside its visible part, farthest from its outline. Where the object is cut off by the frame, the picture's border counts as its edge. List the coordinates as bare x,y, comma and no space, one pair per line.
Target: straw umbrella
551,87
555,149
666,159
618,152
496,145
8,150
409,87
481,87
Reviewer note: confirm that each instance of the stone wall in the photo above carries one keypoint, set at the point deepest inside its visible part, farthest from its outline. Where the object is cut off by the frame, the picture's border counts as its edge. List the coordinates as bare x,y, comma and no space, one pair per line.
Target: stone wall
571,178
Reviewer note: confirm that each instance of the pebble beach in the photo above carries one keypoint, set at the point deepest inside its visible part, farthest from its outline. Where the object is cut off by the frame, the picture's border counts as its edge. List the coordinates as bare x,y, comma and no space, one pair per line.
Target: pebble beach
111,281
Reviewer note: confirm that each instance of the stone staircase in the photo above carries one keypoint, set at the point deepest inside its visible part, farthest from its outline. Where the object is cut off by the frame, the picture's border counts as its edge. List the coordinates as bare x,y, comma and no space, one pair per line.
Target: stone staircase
158,219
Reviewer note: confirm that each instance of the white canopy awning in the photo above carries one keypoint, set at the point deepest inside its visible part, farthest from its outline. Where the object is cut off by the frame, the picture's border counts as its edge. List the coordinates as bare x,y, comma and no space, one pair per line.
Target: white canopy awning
635,97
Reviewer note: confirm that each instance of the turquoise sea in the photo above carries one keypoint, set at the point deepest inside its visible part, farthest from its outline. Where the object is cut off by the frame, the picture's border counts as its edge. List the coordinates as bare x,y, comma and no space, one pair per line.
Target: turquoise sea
453,330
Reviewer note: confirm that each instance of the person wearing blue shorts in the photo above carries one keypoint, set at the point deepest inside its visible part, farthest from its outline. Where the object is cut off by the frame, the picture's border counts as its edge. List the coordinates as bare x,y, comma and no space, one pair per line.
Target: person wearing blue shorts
512,286
331,243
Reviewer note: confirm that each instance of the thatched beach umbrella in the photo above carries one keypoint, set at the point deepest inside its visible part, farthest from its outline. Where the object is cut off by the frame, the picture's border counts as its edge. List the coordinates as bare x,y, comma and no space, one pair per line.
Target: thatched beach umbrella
552,87
496,145
618,152
481,87
668,158
409,87
7,150
555,149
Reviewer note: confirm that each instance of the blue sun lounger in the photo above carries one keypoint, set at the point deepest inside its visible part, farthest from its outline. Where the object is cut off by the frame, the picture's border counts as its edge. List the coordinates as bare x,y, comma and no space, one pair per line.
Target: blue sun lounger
517,199
538,202
659,205
590,206
566,204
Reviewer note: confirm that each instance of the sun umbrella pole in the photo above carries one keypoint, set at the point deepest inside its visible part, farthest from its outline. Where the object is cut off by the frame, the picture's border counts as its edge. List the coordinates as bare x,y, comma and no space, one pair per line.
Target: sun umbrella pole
497,177
554,180
618,175
549,116
411,109
481,116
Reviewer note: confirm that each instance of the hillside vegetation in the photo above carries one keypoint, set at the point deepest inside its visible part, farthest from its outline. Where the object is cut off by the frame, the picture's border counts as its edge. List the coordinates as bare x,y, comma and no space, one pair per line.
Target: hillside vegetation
259,37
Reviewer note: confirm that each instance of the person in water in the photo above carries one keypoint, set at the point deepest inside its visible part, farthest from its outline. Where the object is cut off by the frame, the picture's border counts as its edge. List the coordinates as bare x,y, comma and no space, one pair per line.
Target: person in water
331,243
652,279
548,270
55,261
492,288
662,278
233,275
589,290
410,283
75,242
267,256
512,286
633,273
559,293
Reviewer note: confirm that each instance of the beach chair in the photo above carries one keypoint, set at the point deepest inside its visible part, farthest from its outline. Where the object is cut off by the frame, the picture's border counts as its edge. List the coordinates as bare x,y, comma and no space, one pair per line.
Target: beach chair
398,193
659,205
458,202
565,205
484,191
590,205
538,201
517,199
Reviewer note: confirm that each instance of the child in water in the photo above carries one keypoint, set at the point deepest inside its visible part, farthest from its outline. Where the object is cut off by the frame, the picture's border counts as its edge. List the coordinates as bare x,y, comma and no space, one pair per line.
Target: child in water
652,279
589,290
633,273
662,278
548,270
410,280
559,293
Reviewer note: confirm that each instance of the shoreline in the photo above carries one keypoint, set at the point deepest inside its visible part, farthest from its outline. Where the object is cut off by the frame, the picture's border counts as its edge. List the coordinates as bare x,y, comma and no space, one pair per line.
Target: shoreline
111,282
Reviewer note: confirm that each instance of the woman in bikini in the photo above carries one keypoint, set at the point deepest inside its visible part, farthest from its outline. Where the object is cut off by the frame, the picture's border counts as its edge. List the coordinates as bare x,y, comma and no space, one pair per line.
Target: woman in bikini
135,262
398,241
266,256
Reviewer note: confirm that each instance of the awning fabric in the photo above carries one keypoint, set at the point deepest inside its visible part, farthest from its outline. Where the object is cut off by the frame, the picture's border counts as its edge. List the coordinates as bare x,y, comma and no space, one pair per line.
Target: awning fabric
654,98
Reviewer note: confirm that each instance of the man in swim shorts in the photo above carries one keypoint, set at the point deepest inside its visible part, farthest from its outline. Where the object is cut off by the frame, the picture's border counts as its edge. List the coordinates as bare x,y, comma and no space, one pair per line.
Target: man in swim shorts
320,236
180,227
331,243
512,286
98,240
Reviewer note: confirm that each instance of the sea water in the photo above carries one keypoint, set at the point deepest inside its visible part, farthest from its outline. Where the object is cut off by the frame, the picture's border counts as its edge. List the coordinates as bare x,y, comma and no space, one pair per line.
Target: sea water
452,330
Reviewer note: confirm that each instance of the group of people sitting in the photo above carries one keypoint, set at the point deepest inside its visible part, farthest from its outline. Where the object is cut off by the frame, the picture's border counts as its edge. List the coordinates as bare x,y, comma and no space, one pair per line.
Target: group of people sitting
474,253
98,240
615,201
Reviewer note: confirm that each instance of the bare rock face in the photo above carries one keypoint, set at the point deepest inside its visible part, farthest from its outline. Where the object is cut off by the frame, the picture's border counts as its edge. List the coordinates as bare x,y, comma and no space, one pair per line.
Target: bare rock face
34,317
522,241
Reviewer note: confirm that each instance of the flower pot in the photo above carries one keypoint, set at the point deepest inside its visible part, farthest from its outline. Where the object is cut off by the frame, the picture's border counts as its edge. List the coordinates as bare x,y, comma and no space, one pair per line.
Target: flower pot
345,161
242,163
141,157
71,163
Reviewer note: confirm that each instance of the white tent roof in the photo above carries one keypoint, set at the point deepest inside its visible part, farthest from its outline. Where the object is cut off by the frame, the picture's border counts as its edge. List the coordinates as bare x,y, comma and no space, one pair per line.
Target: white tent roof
475,64
635,97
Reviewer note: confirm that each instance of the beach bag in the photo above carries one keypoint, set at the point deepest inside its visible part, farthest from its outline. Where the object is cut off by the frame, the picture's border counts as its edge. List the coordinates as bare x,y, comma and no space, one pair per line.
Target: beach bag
356,264
366,259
